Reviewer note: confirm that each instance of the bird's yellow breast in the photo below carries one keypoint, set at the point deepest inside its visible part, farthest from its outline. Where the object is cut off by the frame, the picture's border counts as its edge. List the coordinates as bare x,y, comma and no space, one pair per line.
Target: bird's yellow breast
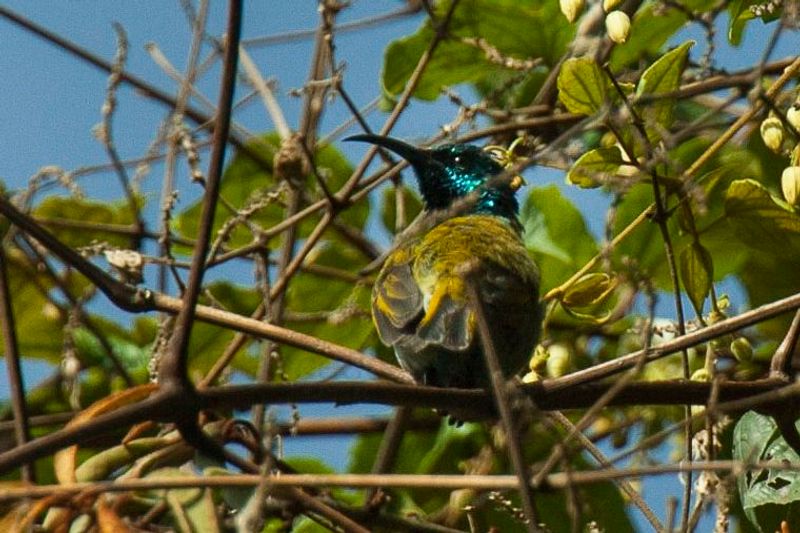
461,240
420,302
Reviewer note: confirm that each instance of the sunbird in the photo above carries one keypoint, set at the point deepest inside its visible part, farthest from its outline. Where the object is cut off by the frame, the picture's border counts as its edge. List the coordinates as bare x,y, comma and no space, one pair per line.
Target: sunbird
420,301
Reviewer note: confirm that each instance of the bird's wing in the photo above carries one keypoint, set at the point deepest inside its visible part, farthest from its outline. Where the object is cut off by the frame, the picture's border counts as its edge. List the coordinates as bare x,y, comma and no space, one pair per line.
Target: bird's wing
448,320
396,299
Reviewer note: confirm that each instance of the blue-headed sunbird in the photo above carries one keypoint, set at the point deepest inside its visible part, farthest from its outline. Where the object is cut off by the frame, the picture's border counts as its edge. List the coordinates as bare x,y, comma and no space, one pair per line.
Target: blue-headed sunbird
420,302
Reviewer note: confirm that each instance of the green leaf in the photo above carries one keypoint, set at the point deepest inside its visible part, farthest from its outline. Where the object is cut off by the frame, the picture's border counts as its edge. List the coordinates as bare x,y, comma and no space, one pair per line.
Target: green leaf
645,245
343,304
193,509
556,233
582,86
595,167
423,452
104,463
697,272
760,220
661,77
504,25
59,208
739,14
411,202
206,345
651,27
768,496
466,65
589,290
208,341
247,180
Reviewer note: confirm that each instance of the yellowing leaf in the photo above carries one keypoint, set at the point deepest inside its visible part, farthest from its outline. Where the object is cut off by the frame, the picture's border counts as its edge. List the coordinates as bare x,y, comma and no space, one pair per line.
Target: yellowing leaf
65,461
108,520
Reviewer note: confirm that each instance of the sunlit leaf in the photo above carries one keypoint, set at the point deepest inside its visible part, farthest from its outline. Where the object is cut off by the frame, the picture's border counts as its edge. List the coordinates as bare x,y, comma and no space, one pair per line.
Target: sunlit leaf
504,25
662,77
582,86
595,167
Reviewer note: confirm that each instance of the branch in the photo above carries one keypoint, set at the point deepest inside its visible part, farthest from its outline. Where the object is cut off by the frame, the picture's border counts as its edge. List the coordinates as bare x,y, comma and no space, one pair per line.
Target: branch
430,481
737,396
15,380
699,336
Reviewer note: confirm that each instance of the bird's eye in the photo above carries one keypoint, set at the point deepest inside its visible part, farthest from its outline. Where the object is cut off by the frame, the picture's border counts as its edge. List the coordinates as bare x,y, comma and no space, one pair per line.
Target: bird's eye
457,160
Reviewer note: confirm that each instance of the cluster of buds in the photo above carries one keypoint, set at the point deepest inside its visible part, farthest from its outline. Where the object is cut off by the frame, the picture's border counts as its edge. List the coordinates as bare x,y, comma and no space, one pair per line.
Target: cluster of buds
775,138
618,24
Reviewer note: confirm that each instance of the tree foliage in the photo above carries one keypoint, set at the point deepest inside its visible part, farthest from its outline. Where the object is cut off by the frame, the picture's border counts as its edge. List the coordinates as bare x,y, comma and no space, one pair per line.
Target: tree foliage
650,129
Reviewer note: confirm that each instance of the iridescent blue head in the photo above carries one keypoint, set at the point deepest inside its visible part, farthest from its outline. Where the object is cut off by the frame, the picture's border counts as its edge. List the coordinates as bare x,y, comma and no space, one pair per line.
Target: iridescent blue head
452,171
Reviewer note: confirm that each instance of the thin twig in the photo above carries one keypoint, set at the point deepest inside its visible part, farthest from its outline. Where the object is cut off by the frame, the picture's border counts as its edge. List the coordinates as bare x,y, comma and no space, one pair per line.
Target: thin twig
430,481
501,394
174,366
11,354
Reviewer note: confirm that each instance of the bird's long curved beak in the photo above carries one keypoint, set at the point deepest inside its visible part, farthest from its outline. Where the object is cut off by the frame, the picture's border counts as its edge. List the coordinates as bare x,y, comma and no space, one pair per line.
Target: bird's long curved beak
410,153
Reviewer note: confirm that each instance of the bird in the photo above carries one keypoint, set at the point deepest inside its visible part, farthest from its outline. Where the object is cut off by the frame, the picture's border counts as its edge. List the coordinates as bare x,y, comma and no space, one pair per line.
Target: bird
420,300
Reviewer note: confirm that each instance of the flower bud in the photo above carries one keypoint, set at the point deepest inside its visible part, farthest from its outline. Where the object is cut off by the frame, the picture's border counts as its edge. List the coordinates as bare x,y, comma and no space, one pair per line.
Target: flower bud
793,115
558,362
772,133
609,5
618,26
571,8
741,349
790,183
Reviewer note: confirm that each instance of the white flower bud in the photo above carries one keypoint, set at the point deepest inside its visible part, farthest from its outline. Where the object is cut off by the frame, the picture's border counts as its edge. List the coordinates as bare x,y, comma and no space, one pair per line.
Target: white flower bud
618,26
558,363
790,183
741,349
571,8
793,115
609,5
772,133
